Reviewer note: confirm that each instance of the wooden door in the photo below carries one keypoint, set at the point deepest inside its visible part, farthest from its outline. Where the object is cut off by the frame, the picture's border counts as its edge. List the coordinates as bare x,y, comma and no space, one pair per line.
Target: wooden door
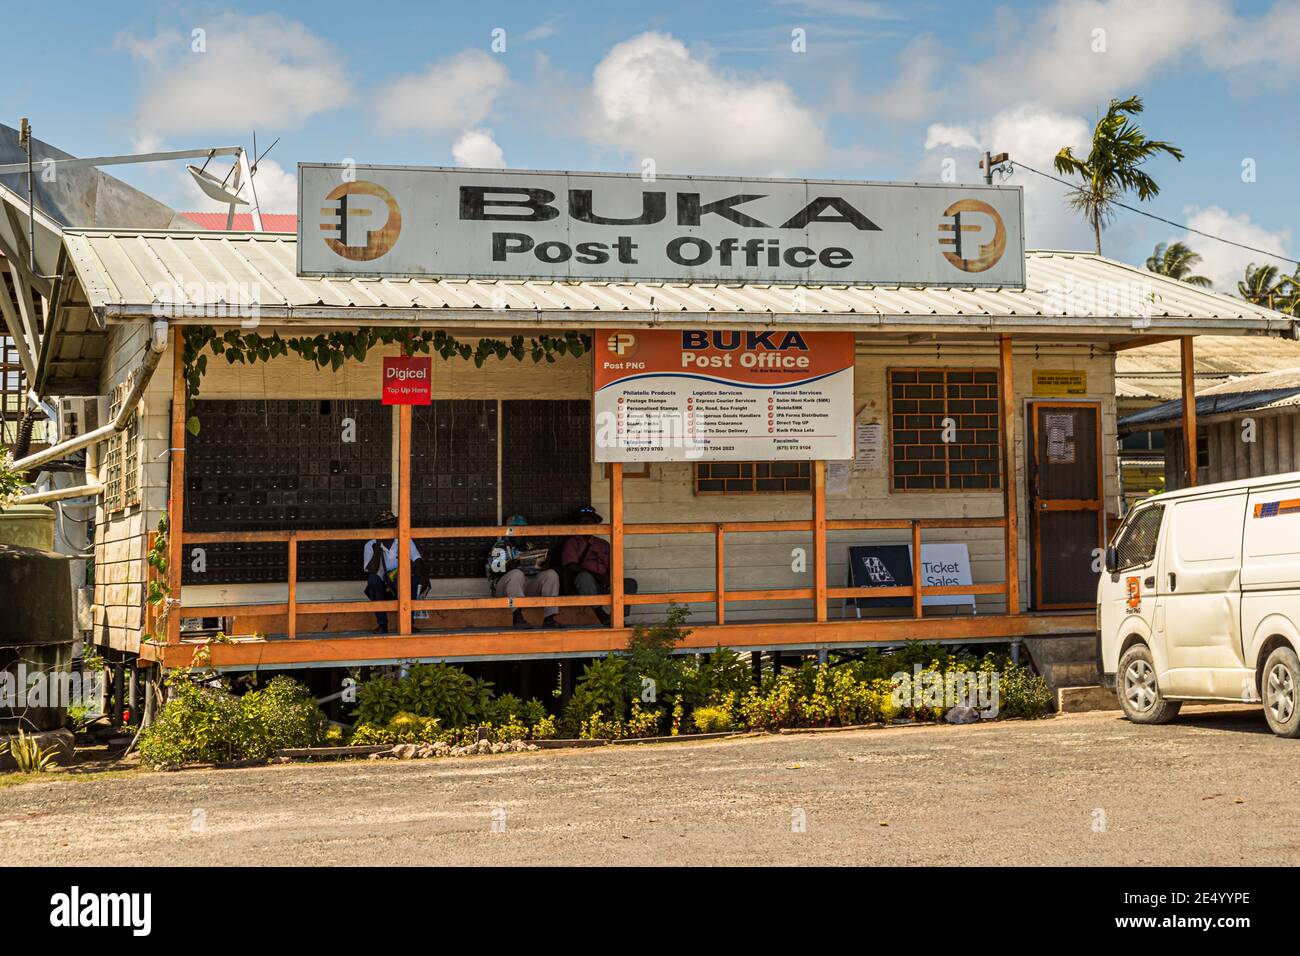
1067,520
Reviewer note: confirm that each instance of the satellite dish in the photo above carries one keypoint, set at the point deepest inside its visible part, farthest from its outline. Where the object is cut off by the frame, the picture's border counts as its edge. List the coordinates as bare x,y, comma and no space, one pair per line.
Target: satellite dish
214,188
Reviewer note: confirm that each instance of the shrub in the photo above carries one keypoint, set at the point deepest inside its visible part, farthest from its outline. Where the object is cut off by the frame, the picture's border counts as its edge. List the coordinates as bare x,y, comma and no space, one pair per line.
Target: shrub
207,724
427,690
712,720
1022,694
283,714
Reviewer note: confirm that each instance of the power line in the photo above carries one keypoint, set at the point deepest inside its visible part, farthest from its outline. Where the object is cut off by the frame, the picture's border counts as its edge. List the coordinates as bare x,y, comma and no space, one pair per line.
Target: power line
1150,215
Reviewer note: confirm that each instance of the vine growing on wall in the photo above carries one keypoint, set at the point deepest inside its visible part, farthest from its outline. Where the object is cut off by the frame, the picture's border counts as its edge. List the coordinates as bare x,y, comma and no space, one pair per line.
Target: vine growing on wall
332,349
159,590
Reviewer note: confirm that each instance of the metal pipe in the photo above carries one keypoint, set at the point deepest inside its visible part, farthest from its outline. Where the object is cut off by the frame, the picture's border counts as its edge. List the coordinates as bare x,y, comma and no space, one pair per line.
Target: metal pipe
58,494
157,346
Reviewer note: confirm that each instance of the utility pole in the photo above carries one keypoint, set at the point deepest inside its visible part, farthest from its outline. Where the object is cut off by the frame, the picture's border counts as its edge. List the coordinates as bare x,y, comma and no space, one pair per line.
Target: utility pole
988,162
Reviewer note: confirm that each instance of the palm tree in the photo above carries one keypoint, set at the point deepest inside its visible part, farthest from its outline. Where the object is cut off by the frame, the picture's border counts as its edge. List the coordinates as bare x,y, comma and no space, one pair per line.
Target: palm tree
1114,164
1289,290
1176,260
1261,285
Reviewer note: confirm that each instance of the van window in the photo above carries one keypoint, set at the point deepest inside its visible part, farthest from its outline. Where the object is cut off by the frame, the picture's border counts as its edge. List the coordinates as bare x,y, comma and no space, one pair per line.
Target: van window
1136,546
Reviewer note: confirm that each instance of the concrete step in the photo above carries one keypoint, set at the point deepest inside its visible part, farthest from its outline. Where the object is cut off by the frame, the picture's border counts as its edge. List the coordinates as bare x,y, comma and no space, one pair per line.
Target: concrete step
1073,675
1078,700
1065,649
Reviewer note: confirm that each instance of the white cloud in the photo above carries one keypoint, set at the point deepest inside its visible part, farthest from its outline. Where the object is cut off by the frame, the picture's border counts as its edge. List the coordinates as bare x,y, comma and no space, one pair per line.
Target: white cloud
1262,50
1221,263
277,189
449,95
856,9
1080,52
259,70
653,99
913,94
1033,136
477,148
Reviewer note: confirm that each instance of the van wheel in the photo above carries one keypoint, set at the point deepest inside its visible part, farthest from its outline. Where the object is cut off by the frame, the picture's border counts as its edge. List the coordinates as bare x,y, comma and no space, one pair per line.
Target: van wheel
1138,693
1281,689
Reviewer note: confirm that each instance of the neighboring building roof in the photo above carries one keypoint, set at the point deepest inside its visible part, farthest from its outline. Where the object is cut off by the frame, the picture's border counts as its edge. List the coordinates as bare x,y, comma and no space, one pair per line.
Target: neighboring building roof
271,221
127,273
1253,393
1153,372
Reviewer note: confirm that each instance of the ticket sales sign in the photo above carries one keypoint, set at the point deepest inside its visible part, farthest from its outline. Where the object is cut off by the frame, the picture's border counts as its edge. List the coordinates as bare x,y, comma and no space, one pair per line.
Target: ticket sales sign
432,221
408,380
723,395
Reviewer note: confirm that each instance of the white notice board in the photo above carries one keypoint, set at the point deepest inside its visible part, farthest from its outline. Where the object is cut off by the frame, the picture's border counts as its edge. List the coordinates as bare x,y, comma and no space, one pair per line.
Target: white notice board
945,564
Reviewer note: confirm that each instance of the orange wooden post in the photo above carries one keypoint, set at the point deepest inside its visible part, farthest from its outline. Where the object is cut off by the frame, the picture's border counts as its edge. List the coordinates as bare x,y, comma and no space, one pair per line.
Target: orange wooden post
293,588
720,572
1007,426
616,543
176,492
917,610
819,539
404,518
1188,370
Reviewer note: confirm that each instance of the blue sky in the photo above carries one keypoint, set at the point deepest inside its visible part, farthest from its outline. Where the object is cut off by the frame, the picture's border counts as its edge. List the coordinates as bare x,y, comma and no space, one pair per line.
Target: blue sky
884,90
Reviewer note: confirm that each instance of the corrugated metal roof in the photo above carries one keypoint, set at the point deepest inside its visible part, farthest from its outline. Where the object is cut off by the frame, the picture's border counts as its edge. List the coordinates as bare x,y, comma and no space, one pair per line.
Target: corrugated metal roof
271,221
124,273
1253,393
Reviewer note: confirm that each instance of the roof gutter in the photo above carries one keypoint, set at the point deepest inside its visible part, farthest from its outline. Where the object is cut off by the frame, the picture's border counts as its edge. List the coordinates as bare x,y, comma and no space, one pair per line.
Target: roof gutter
152,357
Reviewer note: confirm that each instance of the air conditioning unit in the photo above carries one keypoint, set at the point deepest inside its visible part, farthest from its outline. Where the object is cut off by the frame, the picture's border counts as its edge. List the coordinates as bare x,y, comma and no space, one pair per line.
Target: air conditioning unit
80,414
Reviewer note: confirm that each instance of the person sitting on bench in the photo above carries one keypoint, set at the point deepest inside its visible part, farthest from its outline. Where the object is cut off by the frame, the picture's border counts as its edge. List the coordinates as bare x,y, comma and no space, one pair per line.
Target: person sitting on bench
380,563
516,568
586,558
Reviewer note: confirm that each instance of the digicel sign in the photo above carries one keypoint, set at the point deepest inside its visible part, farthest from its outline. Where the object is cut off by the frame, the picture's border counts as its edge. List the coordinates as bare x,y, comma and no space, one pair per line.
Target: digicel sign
408,380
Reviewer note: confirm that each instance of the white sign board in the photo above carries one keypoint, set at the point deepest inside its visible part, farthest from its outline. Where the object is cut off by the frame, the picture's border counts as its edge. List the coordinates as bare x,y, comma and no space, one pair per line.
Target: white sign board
945,564
722,395
433,221
868,455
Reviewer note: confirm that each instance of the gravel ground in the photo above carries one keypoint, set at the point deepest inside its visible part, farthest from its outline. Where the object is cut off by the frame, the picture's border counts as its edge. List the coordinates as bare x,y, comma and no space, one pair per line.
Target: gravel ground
1213,788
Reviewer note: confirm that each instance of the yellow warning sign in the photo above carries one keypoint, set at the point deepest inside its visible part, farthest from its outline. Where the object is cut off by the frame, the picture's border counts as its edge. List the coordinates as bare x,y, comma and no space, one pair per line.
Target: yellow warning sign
1060,382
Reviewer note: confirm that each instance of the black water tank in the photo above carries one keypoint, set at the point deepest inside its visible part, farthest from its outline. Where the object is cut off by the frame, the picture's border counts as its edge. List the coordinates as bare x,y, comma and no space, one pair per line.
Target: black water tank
36,631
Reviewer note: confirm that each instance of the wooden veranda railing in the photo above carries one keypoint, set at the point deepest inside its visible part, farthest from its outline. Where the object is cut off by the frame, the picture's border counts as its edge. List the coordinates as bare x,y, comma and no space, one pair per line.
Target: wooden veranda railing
818,524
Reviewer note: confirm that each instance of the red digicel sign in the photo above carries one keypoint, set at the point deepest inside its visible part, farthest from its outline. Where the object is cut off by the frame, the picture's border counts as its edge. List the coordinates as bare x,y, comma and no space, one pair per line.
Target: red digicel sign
408,380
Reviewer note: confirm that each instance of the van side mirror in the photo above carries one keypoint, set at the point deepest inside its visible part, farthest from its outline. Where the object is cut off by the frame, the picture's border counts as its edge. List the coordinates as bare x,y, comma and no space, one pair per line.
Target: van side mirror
1112,559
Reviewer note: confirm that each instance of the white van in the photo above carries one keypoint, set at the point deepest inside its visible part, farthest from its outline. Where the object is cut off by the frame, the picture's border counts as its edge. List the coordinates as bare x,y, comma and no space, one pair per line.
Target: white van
1200,600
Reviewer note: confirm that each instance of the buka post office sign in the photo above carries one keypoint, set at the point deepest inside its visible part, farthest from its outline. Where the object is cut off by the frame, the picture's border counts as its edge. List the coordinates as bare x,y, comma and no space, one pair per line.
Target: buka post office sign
433,221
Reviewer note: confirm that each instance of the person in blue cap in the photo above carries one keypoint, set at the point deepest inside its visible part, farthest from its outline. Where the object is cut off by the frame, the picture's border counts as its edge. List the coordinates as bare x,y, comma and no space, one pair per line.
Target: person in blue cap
516,568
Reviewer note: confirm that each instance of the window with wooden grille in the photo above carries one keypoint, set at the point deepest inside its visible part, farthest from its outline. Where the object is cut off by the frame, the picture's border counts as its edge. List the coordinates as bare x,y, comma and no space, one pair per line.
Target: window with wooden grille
122,456
944,432
113,500
752,477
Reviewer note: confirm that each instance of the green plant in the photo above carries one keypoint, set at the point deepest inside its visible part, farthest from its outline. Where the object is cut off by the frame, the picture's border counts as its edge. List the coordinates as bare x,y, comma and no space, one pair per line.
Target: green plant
28,754
11,483
210,724
334,348
712,720
1022,694
602,687
649,655
428,690
283,714
159,589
